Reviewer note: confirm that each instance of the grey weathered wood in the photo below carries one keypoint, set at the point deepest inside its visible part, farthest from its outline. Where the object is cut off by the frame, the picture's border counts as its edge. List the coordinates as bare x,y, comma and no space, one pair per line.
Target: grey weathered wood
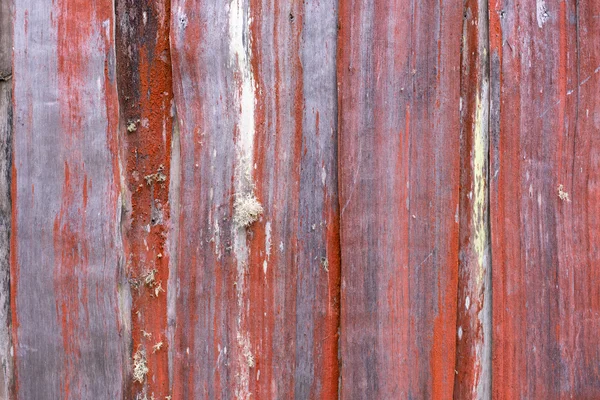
255,90
6,29
66,247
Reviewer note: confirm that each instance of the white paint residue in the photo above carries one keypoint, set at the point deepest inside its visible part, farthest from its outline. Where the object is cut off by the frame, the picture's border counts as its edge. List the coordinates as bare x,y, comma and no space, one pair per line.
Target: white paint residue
217,237
240,53
268,239
244,95
541,12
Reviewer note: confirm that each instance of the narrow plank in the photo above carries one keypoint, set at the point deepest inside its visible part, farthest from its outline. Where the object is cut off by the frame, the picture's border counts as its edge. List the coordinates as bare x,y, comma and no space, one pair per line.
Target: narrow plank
545,198
65,247
6,119
145,99
399,77
474,323
255,91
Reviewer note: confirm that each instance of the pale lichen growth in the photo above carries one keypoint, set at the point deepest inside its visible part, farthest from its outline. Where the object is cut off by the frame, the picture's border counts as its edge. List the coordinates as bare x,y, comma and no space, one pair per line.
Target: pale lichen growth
564,196
148,277
147,335
140,368
250,359
325,264
244,344
158,289
132,126
247,210
157,347
158,176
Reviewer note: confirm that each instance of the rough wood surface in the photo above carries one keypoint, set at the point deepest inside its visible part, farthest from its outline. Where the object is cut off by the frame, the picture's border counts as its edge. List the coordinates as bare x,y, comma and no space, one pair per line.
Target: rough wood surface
474,307
65,244
145,99
545,71
327,199
6,119
399,77
256,101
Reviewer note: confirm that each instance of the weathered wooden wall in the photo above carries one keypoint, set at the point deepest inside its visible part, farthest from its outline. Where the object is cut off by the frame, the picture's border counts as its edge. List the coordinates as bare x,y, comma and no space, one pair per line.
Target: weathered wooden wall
279,199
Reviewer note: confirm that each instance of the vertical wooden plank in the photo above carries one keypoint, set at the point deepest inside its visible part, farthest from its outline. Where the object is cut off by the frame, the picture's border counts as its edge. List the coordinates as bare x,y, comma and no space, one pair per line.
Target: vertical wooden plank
474,323
399,77
145,98
257,296
544,198
6,119
65,245
295,295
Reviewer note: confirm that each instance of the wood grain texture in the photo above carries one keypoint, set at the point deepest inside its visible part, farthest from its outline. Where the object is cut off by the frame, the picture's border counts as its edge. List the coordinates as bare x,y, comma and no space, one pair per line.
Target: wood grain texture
474,308
256,100
6,119
145,99
199,211
399,77
545,118
65,247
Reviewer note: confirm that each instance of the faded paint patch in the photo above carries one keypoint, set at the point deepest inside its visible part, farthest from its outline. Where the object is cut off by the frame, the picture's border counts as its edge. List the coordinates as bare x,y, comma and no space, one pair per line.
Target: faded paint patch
541,14
246,207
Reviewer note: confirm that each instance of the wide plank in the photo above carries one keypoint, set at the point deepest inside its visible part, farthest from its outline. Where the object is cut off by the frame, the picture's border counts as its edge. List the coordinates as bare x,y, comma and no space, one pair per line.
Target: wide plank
66,258
257,275
399,98
545,198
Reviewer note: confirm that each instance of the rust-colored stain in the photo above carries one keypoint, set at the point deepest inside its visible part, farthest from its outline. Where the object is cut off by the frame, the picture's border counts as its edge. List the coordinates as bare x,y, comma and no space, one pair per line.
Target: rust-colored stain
313,200
145,89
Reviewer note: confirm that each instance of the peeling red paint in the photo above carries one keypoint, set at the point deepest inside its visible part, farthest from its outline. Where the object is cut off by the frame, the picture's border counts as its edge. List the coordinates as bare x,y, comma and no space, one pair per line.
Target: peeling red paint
62,244
395,70
362,128
145,86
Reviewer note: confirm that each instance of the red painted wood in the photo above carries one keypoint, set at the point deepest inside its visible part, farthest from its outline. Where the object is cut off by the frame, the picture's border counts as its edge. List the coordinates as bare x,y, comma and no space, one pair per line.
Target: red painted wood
65,250
474,319
145,98
256,105
399,77
544,147
468,172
